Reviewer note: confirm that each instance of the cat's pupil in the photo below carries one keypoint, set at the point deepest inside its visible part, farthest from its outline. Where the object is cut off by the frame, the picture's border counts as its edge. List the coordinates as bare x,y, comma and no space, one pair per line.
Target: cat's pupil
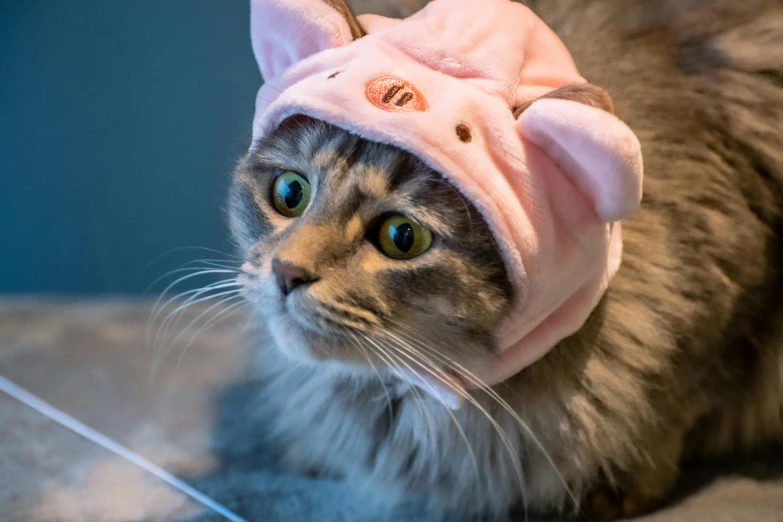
403,237
293,194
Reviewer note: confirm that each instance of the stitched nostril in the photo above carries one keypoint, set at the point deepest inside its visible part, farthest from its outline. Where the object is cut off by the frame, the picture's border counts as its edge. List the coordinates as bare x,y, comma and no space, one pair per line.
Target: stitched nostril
290,276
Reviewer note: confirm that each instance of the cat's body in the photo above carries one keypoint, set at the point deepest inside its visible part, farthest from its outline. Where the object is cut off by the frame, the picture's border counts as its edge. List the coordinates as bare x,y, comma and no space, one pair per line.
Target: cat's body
682,357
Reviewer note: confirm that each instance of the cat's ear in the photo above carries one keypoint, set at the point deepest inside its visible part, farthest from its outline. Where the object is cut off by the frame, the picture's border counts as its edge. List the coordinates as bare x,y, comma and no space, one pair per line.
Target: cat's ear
597,151
284,32
585,93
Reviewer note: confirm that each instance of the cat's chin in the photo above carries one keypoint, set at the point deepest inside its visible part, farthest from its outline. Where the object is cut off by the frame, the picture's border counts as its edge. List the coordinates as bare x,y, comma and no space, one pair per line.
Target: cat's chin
293,340
304,346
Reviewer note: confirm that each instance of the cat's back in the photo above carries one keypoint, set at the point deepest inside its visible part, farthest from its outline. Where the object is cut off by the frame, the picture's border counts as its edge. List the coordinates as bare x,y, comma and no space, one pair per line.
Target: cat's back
701,83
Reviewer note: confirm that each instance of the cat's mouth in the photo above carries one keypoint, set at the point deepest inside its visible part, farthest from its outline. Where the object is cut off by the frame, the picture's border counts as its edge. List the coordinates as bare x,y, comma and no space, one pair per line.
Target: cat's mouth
312,331
327,319
318,333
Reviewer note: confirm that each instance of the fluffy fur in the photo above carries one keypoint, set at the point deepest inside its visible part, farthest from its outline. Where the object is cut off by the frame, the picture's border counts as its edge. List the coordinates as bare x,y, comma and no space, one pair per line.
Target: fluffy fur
683,357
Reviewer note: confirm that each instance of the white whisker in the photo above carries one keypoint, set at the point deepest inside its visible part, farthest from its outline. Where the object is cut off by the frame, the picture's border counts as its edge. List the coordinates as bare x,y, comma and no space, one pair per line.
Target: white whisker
162,341
185,268
473,379
172,319
450,413
419,359
179,280
366,354
380,353
217,285
214,263
430,432
221,315
181,249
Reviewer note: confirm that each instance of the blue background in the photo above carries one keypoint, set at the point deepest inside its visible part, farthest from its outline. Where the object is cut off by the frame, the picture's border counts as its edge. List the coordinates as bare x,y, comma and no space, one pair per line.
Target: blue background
120,122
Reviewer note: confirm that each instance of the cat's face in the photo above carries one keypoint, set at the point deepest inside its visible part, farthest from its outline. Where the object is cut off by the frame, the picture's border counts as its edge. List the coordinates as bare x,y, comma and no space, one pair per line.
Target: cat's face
359,253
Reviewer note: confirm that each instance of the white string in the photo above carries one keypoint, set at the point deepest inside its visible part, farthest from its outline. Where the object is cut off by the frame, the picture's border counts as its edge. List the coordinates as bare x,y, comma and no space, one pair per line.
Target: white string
88,433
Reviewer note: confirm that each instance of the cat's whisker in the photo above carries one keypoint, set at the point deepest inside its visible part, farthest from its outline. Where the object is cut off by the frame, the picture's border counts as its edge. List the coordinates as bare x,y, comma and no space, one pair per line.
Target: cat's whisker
388,359
458,426
443,377
213,263
177,281
152,321
172,319
387,355
165,348
186,268
417,398
366,354
221,315
180,249
439,374
192,247
248,324
430,431
473,379
194,293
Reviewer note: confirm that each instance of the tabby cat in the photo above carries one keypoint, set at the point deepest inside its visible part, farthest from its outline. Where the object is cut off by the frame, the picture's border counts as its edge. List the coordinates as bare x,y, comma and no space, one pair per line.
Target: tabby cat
359,257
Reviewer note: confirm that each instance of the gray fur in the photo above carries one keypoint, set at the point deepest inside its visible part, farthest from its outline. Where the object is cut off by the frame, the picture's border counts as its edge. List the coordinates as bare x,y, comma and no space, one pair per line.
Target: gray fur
684,355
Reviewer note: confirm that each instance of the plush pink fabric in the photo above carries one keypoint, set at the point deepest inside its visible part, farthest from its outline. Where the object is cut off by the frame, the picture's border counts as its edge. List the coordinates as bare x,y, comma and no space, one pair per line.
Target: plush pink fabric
552,185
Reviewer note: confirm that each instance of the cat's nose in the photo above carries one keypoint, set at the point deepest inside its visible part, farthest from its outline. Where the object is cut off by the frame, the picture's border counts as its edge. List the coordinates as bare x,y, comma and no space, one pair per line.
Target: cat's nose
290,276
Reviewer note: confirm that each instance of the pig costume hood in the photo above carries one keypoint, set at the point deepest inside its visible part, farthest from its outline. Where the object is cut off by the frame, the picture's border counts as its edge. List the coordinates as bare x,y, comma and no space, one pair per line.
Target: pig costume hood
443,84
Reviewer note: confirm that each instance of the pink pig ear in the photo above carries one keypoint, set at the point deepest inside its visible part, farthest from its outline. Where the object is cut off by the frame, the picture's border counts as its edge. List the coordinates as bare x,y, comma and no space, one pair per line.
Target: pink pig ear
597,151
284,32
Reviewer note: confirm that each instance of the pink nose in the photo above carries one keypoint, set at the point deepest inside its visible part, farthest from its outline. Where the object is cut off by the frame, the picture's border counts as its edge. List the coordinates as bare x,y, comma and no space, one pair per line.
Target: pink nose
290,276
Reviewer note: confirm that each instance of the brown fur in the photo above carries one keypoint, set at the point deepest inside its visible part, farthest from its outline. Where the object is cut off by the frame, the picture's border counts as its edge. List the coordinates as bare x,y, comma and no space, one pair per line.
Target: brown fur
684,355
587,94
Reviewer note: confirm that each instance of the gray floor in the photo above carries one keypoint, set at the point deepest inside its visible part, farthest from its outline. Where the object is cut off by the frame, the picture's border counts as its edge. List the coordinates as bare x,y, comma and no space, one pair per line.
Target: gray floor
194,418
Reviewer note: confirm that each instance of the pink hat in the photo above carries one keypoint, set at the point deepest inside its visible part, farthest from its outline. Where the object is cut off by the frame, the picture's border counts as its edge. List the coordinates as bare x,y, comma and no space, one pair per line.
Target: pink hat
442,84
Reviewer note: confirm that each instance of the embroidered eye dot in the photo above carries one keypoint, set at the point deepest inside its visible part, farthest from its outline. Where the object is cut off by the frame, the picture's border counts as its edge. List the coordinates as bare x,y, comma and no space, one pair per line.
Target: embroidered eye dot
463,133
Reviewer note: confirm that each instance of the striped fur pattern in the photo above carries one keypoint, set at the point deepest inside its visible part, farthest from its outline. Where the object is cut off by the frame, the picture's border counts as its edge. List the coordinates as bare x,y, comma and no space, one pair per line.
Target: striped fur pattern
682,358
457,291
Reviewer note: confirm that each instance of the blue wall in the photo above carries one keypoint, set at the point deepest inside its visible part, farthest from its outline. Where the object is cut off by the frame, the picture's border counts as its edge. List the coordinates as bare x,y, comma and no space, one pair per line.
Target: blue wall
120,122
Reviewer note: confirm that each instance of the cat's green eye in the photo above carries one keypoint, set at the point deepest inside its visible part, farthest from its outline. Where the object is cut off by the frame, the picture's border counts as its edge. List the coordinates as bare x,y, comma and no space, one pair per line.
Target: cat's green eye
402,238
291,194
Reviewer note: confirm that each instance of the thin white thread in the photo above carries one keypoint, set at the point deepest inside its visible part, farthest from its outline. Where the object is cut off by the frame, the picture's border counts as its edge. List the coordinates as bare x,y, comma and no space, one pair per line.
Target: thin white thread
62,418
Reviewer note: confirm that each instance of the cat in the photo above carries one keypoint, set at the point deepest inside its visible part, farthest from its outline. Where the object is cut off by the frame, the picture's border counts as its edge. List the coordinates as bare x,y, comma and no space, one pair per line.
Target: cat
682,357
